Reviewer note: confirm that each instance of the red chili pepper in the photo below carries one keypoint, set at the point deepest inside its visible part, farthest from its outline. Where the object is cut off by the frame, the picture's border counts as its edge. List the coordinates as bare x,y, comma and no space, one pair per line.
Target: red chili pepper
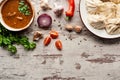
71,9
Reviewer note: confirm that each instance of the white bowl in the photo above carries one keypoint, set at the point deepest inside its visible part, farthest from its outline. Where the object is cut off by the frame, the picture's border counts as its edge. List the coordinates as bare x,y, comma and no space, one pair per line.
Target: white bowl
14,29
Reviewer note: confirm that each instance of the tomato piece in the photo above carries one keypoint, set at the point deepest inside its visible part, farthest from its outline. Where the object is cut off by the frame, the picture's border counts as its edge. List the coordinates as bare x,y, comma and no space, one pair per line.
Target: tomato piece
54,34
47,40
58,45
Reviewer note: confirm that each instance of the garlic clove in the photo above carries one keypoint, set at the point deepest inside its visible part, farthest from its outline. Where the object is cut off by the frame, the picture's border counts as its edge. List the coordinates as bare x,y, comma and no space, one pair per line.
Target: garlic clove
37,35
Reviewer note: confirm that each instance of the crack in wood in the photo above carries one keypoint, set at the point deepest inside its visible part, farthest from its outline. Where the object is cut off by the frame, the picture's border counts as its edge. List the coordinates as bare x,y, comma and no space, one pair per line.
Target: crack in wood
62,78
102,60
85,55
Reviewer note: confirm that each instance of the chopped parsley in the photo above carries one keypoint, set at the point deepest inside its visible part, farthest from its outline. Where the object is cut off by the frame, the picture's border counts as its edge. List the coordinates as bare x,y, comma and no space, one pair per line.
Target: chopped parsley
23,8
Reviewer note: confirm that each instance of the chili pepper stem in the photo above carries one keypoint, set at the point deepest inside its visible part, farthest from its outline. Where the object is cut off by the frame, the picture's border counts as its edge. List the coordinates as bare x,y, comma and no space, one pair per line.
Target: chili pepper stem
68,18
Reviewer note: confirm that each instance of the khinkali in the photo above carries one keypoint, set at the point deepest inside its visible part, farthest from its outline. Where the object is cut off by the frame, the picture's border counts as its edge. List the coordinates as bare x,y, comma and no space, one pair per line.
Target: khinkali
113,26
108,9
93,6
97,21
104,14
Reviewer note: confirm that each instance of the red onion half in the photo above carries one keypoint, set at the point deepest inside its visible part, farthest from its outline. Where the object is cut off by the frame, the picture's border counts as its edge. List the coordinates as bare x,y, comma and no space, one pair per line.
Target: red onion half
44,21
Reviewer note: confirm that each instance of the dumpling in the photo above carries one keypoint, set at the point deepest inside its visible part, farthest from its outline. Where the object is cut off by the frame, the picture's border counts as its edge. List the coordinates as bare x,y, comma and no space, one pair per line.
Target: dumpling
93,6
97,21
108,9
115,1
118,11
104,14
113,26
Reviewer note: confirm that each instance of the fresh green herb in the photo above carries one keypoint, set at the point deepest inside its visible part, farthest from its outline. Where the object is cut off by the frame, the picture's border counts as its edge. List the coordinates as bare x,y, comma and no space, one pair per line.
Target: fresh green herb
32,45
23,8
8,39
12,49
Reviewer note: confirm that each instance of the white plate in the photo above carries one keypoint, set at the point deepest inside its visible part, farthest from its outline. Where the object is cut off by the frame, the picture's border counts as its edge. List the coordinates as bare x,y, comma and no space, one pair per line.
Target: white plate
84,16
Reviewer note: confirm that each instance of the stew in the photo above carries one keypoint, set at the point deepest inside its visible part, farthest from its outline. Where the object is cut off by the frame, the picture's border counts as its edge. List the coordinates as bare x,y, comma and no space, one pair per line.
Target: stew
13,17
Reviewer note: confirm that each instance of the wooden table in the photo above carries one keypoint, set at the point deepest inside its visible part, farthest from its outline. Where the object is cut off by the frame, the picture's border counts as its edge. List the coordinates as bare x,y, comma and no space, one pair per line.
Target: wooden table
84,56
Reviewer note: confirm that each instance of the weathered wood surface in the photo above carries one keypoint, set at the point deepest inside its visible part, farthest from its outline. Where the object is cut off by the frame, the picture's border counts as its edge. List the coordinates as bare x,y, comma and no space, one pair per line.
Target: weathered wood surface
84,56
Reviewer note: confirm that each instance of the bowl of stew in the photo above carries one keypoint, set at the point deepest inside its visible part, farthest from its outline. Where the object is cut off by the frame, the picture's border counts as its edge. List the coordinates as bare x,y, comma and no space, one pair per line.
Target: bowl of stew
16,15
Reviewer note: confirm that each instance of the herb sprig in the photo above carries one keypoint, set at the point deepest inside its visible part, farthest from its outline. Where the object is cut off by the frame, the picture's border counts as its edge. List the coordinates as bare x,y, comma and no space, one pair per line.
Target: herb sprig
8,39
23,8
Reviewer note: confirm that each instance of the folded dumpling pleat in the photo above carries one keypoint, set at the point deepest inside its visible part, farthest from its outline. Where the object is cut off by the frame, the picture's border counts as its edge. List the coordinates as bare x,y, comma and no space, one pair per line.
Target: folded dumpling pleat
93,6
97,21
113,26
108,9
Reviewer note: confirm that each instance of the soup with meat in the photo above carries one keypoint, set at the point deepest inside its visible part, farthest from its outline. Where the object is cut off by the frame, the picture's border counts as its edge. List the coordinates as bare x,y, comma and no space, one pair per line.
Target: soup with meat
17,13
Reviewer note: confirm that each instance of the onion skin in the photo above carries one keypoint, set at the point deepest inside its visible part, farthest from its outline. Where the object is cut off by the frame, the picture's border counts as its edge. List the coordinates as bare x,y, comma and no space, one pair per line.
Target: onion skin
44,21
